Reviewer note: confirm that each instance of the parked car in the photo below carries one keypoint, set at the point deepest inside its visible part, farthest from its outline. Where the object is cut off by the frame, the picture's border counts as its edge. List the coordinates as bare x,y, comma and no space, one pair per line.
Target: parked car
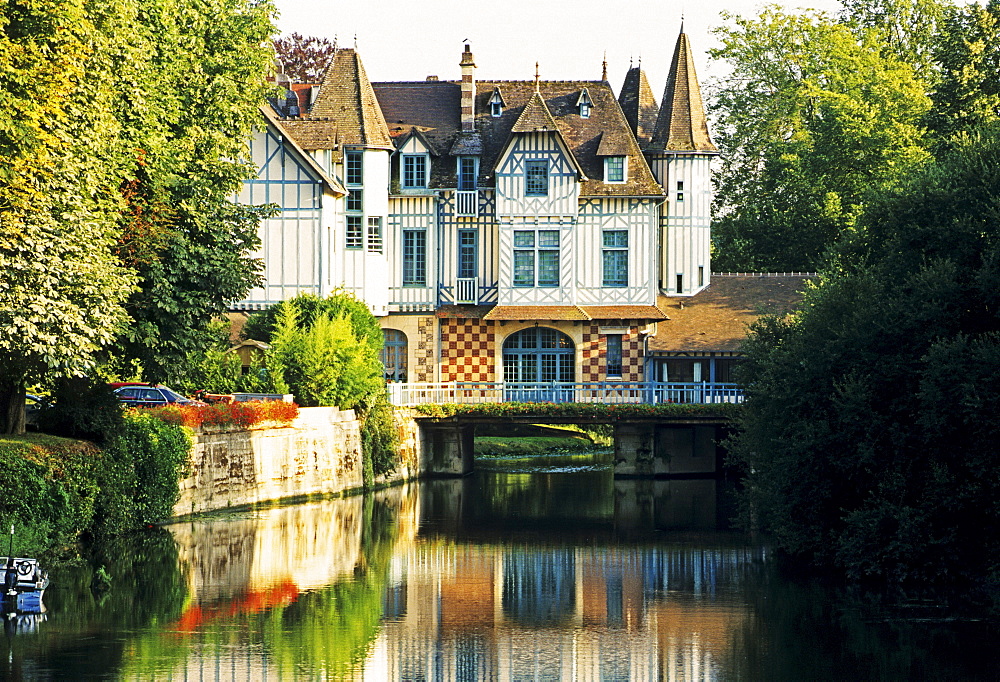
150,395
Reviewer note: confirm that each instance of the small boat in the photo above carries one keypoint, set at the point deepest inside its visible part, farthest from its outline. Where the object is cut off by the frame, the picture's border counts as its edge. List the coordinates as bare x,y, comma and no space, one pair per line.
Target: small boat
24,584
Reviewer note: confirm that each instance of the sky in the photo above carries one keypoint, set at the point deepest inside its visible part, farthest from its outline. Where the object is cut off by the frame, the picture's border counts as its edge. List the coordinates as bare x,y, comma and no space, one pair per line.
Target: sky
402,40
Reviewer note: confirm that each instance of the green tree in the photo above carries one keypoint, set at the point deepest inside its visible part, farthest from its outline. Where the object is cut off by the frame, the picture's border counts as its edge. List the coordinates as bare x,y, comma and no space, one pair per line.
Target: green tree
811,118
326,351
908,28
869,435
63,287
193,100
967,94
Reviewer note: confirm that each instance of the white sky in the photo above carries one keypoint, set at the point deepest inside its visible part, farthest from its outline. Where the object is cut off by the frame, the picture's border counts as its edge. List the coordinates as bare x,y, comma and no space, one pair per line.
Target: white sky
405,40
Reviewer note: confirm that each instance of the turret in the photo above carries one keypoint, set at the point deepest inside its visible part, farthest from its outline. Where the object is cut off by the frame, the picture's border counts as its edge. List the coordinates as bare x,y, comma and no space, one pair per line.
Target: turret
680,153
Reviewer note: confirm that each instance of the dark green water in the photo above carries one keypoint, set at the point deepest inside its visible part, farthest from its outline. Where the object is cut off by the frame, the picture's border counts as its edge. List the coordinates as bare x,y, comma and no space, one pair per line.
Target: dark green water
560,574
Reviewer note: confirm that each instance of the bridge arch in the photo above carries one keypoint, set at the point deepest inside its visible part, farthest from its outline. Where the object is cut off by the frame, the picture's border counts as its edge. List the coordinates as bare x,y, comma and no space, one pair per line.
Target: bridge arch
536,354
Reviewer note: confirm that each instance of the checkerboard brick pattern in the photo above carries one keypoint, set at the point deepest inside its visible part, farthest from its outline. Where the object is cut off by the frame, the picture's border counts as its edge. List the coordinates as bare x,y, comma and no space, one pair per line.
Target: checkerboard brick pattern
468,351
593,354
424,352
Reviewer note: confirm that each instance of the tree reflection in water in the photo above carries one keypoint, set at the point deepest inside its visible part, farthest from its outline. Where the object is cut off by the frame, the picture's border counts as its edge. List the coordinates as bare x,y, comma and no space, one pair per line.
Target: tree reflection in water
543,576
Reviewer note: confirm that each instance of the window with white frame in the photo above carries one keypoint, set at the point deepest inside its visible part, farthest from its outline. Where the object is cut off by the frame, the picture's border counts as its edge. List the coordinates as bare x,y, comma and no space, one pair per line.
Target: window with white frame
680,190
374,235
536,258
414,171
414,258
614,258
536,178
615,168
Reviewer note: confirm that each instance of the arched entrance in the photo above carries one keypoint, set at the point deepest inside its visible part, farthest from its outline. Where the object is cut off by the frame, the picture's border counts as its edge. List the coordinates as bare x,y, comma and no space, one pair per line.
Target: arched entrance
538,355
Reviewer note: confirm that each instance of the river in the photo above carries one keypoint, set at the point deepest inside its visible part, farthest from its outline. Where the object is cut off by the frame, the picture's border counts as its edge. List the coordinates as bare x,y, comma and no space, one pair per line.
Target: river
535,574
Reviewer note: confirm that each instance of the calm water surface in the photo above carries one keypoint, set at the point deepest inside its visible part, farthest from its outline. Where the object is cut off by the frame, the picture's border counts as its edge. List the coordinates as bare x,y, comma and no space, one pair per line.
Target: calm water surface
560,574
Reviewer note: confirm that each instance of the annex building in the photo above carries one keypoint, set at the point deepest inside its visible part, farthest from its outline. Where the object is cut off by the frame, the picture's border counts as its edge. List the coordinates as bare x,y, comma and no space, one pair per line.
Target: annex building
517,231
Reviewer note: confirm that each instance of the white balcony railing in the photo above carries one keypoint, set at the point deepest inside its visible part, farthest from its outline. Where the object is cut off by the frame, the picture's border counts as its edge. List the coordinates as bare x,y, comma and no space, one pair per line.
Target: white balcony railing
467,203
467,290
556,392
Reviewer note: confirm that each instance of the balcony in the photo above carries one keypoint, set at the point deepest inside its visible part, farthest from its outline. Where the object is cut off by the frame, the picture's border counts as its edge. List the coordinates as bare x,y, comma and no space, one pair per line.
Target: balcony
467,290
467,203
608,392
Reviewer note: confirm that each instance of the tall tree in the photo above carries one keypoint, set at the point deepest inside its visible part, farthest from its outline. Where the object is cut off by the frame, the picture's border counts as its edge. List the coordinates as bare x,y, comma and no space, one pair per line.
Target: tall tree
125,144
967,92
196,99
304,58
810,118
61,285
907,28
869,434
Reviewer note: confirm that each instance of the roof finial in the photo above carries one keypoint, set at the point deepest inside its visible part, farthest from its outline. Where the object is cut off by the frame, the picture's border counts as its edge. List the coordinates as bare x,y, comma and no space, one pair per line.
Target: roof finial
536,76
604,67
334,42
355,41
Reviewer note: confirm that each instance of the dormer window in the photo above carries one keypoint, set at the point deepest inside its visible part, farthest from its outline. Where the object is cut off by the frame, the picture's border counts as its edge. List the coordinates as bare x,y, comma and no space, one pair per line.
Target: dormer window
414,171
615,169
584,103
496,104
468,173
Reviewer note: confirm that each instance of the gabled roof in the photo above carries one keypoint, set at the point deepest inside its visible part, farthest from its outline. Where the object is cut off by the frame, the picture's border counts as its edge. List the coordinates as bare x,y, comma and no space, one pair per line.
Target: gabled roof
345,111
434,107
331,184
681,125
639,104
716,319
534,117
420,136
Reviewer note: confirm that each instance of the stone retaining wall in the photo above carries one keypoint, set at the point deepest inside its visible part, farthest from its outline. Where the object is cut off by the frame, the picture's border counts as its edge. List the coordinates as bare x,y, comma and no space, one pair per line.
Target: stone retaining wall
317,454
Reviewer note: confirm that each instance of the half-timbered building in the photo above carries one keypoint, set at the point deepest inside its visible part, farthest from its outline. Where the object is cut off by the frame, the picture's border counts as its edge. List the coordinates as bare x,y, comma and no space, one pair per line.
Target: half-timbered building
518,231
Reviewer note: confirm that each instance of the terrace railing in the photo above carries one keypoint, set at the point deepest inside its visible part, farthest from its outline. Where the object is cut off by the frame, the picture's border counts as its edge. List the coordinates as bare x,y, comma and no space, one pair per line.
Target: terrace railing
607,392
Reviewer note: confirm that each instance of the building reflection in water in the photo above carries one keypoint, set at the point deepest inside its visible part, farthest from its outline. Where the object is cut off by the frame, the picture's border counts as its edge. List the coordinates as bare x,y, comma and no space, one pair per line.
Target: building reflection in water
475,586
472,612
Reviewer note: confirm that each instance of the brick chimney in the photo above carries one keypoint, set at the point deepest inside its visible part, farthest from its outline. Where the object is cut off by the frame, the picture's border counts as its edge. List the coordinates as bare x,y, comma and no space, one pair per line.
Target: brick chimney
468,65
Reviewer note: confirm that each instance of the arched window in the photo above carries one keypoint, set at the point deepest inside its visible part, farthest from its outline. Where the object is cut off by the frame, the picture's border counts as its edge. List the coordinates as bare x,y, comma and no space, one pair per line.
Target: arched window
538,354
394,355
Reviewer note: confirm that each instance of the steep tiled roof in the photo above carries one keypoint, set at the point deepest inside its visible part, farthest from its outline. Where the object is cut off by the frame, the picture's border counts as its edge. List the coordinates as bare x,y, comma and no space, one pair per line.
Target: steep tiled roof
638,104
345,111
681,125
332,184
534,117
716,319
434,107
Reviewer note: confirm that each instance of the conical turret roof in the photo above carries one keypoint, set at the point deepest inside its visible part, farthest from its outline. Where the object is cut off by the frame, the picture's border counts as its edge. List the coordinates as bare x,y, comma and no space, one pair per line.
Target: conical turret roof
346,98
681,125
638,104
